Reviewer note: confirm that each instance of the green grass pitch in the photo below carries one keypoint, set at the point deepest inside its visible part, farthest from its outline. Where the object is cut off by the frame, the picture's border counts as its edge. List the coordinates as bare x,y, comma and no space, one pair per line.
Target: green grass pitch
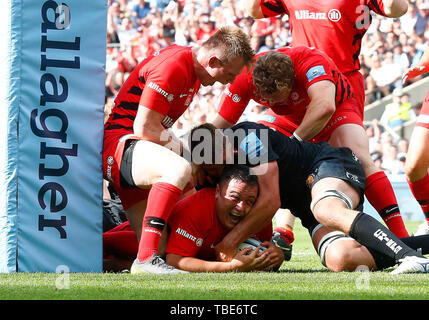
303,277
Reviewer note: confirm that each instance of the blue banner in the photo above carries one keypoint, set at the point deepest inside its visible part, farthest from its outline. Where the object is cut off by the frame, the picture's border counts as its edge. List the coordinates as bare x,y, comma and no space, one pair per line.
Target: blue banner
9,106
61,116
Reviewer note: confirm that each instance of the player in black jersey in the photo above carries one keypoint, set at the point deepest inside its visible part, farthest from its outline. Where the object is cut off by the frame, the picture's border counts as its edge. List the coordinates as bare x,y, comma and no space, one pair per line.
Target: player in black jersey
322,185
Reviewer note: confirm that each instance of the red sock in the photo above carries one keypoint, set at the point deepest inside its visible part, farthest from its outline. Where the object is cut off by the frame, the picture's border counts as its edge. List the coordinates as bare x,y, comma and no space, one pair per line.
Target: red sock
381,196
420,190
161,200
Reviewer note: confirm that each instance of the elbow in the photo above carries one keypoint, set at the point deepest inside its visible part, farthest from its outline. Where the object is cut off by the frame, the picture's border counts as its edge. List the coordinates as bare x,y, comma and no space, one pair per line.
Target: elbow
399,9
328,110
253,9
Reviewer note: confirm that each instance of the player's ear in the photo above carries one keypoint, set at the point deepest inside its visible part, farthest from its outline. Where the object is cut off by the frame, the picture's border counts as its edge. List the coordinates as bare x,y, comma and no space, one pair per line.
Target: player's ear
214,62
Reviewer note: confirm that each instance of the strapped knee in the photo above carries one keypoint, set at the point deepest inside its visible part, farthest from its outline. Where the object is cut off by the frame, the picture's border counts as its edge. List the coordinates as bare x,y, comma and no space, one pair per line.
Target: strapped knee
335,194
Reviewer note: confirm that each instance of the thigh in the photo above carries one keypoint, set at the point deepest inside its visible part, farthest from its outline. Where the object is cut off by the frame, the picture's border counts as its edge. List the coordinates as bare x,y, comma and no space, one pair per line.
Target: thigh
417,160
152,163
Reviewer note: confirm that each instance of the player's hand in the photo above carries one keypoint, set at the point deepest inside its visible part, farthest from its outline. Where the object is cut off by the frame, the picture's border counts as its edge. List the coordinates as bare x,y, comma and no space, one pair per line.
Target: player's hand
244,262
413,72
225,252
275,256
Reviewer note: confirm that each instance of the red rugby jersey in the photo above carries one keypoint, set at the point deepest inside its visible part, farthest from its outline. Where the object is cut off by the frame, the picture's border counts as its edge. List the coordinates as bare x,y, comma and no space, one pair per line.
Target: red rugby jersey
311,66
196,229
165,82
333,26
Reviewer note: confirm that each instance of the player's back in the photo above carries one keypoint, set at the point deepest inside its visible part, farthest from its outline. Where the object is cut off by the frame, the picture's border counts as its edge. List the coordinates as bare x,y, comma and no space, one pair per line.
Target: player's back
333,26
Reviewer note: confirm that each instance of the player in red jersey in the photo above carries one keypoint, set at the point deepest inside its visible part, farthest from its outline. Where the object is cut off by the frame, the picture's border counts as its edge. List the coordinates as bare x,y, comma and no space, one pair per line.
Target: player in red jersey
417,159
140,157
337,28
305,87
196,224
334,26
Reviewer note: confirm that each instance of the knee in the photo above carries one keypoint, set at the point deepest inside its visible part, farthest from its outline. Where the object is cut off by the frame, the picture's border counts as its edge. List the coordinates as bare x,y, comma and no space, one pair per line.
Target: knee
340,258
183,169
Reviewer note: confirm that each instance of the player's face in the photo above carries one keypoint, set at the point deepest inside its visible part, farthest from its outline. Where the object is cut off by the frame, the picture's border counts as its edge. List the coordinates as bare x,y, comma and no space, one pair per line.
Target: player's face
234,201
279,96
226,72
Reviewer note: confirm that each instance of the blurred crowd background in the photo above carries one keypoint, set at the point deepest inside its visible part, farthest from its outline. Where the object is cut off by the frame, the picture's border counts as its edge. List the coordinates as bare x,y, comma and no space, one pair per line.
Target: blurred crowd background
137,28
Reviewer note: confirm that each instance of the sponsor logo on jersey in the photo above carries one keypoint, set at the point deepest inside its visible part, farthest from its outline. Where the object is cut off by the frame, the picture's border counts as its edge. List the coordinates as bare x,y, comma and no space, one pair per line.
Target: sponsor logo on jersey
167,122
158,89
333,15
110,160
189,236
235,97
315,72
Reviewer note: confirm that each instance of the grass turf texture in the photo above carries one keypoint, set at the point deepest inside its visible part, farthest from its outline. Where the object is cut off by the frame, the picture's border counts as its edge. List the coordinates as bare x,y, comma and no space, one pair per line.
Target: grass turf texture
302,278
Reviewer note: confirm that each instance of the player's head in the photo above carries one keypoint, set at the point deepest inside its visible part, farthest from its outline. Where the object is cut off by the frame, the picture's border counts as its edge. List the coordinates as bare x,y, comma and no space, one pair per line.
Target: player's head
227,51
236,193
210,149
273,76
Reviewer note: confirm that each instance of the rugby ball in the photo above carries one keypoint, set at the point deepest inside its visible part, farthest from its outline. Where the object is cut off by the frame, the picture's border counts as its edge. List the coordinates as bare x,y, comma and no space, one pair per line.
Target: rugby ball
252,243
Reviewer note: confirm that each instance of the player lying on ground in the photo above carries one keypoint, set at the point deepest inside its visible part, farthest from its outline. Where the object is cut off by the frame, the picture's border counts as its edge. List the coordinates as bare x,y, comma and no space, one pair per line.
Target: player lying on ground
199,222
313,102
140,157
322,185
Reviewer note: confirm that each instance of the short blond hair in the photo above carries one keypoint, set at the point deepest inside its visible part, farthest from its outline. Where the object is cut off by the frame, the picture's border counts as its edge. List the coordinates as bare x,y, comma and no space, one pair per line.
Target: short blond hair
273,71
235,43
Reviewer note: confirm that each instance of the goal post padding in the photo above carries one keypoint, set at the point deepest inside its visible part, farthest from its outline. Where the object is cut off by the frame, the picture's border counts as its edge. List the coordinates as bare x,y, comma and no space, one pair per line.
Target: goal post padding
55,132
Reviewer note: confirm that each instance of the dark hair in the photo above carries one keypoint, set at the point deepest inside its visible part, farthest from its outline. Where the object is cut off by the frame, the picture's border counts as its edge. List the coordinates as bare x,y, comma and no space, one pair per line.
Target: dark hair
238,172
200,134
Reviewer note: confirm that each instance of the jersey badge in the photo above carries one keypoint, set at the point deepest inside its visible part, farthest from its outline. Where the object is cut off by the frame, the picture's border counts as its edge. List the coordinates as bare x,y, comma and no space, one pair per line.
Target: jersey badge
315,72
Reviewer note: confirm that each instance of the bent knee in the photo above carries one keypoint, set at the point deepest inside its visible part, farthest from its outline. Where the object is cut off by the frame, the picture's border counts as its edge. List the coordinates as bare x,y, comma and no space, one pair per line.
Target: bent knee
339,258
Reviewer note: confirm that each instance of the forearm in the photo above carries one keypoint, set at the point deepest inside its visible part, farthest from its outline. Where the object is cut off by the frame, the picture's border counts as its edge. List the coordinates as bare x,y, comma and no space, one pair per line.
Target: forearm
193,264
395,8
260,216
315,119
253,8
159,135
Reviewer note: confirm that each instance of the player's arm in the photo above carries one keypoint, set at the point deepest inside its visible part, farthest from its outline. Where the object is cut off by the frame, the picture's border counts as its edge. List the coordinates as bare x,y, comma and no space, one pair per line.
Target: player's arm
241,262
262,212
395,8
253,8
220,122
421,68
319,111
148,126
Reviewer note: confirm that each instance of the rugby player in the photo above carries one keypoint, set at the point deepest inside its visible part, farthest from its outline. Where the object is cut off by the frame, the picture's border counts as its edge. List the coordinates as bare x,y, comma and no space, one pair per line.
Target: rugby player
322,185
316,103
196,224
337,27
140,157
417,159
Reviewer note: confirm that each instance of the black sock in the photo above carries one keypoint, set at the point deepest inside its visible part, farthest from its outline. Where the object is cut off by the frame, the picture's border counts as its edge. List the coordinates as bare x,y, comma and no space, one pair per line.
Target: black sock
372,234
418,242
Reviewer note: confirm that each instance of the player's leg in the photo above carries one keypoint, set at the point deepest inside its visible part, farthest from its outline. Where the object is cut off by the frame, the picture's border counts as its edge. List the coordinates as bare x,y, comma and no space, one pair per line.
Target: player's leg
339,252
379,190
416,168
333,204
166,174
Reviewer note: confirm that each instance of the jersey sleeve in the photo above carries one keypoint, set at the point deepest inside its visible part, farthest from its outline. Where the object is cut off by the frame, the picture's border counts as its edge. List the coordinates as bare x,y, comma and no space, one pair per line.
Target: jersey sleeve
235,98
163,84
186,227
313,67
272,8
377,6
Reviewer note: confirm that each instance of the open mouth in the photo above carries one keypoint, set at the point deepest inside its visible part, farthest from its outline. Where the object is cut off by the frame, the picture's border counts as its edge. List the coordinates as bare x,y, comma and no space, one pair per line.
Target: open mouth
235,217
